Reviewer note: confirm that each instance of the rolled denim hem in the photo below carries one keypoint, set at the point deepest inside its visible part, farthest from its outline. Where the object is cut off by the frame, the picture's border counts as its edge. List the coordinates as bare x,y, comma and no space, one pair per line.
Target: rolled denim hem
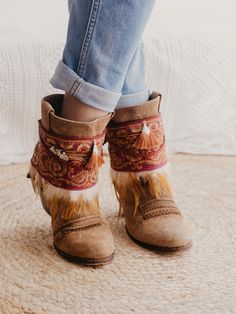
133,99
66,79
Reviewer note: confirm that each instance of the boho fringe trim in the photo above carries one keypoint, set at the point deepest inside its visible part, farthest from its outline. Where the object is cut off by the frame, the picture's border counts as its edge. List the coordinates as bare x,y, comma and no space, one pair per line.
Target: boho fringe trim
151,183
68,204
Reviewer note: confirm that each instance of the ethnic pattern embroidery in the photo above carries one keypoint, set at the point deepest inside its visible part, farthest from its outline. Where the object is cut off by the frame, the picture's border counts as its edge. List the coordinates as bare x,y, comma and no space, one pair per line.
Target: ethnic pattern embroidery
65,161
138,145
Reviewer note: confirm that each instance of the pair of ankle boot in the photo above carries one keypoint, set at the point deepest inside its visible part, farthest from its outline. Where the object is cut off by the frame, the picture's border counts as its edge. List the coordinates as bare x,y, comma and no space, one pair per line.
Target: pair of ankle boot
64,172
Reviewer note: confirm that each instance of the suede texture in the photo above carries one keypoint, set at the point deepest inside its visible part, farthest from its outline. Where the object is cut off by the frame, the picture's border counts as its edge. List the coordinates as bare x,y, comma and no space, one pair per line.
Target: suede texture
86,236
151,218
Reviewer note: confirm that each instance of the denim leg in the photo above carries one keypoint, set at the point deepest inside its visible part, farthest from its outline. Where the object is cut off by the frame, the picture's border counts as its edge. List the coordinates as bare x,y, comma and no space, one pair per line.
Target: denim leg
102,42
69,4
134,90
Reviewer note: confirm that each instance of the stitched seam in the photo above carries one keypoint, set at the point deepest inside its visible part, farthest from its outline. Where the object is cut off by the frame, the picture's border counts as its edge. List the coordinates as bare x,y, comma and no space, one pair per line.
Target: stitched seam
156,207
159,202
74,87
156,214
80,228
88,36
62,231
78,88
81,220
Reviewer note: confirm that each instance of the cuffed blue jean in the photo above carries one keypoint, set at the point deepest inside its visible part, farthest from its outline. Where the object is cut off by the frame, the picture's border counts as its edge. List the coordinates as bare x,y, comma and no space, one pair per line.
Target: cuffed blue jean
103,62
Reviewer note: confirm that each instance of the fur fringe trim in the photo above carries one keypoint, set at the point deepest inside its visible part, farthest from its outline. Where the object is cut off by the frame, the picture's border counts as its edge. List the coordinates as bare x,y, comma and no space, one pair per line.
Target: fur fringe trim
36,179
148,184
68,204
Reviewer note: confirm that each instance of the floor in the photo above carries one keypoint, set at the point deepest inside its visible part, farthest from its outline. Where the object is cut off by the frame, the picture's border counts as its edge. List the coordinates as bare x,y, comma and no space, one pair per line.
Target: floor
34,279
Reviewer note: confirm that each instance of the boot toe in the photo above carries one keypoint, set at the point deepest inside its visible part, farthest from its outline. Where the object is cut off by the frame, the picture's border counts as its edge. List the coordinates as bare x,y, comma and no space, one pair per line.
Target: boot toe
167,232
93,246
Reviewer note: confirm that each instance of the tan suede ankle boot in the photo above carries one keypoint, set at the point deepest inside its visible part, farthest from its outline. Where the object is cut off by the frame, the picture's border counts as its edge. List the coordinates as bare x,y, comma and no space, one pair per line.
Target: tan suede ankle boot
139,163
64,171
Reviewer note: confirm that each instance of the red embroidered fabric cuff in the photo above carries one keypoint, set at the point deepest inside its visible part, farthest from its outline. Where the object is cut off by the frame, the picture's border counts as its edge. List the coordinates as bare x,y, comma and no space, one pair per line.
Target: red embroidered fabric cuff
68,162
138,145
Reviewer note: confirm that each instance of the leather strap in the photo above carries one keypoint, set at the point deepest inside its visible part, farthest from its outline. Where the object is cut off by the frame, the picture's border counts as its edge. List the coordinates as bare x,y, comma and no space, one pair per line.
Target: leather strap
158,207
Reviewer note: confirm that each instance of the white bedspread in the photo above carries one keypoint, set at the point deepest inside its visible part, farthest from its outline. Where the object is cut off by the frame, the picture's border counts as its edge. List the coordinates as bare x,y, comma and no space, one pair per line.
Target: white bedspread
195,73
197,77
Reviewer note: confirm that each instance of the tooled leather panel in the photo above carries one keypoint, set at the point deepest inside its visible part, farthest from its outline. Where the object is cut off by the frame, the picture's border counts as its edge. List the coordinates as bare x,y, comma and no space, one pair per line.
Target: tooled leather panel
62,160
125,156
155,208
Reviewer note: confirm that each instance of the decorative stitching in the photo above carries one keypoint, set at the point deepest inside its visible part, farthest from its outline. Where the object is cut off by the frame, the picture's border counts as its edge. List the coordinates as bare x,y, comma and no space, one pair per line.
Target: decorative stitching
162,212
66,231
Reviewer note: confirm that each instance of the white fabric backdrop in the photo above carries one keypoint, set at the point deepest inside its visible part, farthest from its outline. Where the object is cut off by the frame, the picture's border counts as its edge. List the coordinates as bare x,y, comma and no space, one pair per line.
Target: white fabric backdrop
194,70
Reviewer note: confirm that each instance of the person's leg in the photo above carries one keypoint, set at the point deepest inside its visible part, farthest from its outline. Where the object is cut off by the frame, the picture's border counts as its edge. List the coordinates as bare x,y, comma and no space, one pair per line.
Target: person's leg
103,38
139,165
134,89
139,171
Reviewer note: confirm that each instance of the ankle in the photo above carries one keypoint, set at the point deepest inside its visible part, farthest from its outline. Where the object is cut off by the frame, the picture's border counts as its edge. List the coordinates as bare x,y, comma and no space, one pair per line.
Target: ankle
74,109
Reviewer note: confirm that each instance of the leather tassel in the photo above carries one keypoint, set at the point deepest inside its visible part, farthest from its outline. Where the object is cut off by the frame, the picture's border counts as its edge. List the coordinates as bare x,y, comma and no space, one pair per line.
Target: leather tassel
95,160
147,139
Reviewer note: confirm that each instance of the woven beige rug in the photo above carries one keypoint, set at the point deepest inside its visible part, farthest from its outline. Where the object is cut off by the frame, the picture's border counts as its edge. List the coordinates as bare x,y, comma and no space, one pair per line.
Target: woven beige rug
34,279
